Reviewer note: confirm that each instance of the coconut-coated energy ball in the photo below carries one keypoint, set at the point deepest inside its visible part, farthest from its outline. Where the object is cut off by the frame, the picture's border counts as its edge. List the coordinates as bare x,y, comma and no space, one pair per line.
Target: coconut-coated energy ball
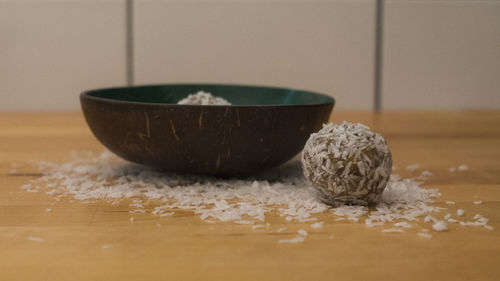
347,163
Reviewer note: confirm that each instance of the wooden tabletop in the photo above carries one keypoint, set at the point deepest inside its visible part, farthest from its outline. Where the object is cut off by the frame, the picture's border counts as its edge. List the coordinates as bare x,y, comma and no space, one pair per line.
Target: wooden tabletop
185,248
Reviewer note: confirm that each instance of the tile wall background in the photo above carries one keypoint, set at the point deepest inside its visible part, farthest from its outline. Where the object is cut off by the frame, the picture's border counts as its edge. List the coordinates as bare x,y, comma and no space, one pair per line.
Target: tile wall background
437,54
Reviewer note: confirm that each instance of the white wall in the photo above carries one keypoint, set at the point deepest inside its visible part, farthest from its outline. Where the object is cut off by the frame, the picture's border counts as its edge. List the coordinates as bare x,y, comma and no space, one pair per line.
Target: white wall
439,54
50,51
325,46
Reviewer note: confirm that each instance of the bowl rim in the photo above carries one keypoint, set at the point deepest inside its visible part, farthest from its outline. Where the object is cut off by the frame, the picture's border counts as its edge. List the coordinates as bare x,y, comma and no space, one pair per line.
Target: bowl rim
87,95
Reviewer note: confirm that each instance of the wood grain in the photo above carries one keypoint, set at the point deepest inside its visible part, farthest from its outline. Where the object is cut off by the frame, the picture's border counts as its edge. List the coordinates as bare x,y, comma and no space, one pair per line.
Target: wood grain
184,248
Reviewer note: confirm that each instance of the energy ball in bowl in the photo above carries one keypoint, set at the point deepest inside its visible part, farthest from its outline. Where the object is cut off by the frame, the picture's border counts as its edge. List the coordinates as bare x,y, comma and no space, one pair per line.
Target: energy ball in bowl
347,163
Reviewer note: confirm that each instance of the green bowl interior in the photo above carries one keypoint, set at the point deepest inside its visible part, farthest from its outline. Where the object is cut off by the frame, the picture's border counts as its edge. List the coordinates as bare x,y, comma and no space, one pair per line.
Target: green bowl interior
235,94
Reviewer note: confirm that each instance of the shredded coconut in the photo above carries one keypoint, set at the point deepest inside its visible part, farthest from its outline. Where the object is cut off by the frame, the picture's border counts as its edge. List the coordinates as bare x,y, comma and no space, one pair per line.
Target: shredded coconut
317,225
424,175
283,191
460,212
425,235
479,220
353,213
203,98
297,239
281,229
450,202
440,226
463,167
477,202
107,246
254,227
369,223
35,239
430,218
302,232
403,224
413,167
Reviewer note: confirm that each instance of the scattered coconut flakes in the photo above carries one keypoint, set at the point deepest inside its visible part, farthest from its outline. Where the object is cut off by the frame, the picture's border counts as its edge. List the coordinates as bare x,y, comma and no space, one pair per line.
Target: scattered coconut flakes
244,222
352,212
489,227
430,218
450,202
254,227
452,169
440,226
168,214
403,224
136,205
131,219
369,223
107,246
281,229
424,175
282,190
297,239
302,232
425,230
447,216
460,212
413,167
477,202
425,235
479,220
317,225
392,230
48,210
463,167
35,239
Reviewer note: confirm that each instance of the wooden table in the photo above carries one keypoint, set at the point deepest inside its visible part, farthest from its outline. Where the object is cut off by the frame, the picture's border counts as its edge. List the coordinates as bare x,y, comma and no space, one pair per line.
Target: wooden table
185,248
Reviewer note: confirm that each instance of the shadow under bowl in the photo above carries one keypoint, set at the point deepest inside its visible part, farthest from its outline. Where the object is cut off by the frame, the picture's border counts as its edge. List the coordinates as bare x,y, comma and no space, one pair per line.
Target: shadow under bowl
263,128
